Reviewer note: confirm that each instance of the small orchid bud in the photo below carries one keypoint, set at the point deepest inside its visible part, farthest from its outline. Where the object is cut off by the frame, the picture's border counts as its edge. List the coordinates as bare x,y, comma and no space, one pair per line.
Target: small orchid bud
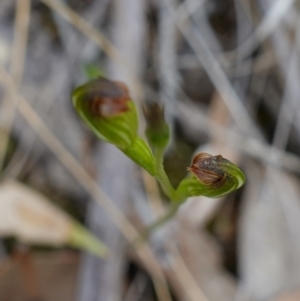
108,110
157,131
212,176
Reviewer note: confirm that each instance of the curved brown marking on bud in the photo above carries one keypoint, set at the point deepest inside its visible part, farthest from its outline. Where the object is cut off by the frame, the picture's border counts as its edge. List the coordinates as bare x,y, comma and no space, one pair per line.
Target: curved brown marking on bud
208,169
108,98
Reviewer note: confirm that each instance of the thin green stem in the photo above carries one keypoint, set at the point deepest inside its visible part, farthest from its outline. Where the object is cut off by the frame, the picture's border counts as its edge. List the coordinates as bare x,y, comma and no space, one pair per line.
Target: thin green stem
160,221
168,189
161,175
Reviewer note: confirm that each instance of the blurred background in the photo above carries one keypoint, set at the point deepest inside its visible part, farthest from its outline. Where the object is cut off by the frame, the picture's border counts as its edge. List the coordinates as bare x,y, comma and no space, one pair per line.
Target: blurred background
227,73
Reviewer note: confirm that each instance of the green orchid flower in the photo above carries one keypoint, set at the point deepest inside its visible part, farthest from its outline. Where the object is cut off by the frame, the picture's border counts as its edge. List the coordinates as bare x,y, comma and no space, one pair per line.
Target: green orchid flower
211,176
106,107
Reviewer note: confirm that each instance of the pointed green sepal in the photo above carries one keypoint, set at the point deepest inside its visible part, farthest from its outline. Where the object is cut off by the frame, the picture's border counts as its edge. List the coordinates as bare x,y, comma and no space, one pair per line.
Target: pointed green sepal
107,109
212,176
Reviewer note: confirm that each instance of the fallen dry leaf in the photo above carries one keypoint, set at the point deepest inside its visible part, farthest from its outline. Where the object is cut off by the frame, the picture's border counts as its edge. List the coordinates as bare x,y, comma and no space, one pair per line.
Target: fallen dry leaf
31,218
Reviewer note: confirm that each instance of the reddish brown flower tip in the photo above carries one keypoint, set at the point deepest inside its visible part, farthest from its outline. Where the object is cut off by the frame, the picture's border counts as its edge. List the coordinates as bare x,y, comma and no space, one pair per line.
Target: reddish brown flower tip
208,169
154,113
107,98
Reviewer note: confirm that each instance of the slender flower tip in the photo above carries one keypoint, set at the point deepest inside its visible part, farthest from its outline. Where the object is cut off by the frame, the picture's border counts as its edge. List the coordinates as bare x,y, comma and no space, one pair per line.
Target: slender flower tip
216,171
154,113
